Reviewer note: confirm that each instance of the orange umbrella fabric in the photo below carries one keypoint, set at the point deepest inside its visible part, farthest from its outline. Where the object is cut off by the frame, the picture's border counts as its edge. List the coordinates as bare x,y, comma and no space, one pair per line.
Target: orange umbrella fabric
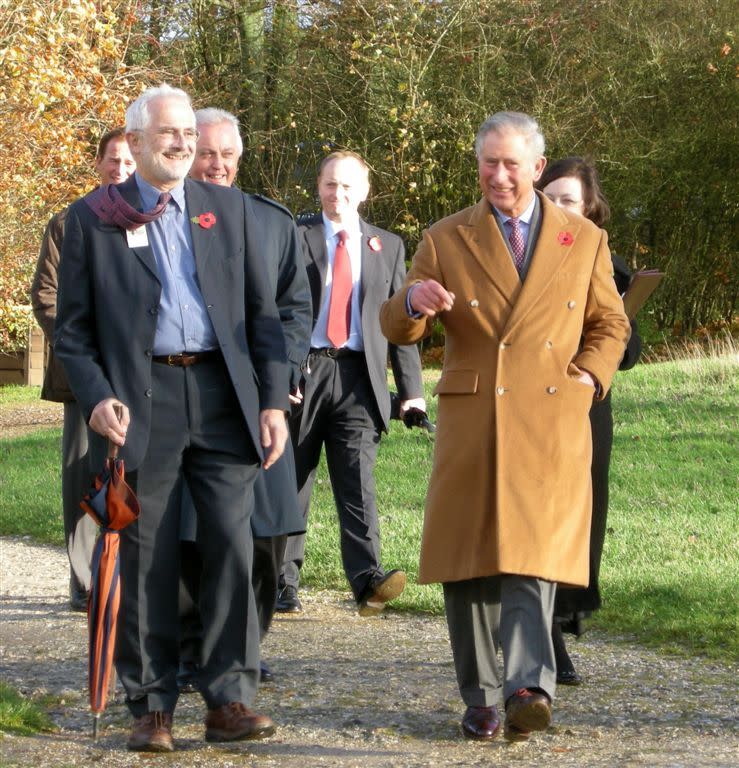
113,505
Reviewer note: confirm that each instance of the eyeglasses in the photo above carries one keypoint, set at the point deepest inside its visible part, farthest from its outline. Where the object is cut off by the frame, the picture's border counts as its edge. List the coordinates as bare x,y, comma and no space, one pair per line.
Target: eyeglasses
189,134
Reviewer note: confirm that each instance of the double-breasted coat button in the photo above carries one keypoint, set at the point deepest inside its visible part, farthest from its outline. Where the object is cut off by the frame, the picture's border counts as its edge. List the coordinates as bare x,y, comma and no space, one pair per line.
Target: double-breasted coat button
148,393
571,304
551,390
549,345
474,303
153,310
149,352
500,390
503,345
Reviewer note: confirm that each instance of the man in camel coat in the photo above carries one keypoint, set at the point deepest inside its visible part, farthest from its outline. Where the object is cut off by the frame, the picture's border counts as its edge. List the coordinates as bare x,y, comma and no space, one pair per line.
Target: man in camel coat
534,330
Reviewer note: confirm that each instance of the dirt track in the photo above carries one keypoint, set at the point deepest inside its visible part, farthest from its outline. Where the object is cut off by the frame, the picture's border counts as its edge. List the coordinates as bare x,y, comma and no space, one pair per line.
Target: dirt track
369,693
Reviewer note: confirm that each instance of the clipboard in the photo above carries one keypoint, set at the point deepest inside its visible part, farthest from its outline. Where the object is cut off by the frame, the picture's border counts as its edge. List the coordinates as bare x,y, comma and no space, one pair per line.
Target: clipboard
641,287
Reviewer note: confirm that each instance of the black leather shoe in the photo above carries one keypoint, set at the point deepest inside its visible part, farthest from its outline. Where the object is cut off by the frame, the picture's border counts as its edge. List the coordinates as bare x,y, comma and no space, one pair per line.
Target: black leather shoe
187,677
78,600
568,677
380,591
527,710
287,600
481,723
265,673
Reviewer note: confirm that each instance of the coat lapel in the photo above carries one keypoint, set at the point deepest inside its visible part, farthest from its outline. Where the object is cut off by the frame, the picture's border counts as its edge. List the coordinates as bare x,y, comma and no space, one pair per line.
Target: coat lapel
130,193
549,253
202,238
482,237
315,240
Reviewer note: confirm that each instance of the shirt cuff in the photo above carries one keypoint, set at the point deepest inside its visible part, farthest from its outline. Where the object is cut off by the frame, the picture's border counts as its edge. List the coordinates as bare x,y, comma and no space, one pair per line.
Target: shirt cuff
408,308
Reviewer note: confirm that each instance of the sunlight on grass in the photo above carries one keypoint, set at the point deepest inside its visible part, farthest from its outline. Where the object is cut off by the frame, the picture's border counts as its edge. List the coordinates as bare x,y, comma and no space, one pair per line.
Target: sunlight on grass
670,572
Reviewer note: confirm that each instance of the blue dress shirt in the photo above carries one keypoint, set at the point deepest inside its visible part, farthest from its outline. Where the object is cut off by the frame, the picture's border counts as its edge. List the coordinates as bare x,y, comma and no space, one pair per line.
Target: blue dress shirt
183,323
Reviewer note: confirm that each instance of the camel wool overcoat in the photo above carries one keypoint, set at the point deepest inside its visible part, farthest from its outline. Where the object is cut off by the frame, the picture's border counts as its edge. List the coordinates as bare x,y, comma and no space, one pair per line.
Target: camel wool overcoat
510,485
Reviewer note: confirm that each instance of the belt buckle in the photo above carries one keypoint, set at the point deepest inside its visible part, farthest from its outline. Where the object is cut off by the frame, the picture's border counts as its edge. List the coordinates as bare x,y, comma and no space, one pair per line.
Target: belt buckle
332,352
172,360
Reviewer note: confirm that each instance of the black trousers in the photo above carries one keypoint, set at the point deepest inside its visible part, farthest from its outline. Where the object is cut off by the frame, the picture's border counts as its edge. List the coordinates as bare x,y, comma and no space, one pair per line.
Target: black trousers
339,412
197,433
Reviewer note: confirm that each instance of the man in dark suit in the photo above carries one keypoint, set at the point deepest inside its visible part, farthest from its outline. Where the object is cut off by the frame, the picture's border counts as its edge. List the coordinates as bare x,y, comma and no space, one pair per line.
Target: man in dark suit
352,268
276,509
168,314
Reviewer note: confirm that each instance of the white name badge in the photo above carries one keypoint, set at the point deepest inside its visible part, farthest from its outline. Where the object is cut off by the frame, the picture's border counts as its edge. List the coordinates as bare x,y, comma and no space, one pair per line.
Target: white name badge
137,237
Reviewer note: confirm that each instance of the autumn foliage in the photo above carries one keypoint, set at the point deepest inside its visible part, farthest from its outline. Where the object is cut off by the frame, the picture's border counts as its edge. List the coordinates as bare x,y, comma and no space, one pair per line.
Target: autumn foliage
63,83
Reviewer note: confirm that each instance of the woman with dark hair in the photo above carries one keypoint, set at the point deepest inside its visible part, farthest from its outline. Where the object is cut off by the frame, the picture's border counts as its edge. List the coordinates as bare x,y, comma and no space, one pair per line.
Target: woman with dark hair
572,183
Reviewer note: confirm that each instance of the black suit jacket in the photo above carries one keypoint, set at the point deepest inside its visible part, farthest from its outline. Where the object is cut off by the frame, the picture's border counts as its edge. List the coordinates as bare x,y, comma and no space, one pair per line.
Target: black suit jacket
383,272
109,299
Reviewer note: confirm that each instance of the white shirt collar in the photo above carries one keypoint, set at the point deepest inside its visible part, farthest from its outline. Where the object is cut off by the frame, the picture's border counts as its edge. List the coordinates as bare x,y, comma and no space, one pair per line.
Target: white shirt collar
525,217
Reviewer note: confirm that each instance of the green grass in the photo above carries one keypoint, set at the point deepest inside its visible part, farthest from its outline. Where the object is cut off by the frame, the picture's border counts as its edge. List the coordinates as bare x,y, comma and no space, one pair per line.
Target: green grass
670,573
21,715
14,394
30,486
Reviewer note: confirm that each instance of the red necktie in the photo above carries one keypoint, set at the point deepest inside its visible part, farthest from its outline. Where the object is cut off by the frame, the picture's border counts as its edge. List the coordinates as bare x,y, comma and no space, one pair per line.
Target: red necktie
517,245
339,308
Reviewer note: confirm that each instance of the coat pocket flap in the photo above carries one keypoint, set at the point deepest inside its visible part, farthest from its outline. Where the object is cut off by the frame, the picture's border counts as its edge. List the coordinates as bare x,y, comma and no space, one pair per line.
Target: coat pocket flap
457,383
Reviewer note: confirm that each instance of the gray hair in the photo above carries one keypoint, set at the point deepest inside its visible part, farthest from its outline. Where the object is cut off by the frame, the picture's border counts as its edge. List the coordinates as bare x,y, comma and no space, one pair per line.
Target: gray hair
137,114
215,116
516,122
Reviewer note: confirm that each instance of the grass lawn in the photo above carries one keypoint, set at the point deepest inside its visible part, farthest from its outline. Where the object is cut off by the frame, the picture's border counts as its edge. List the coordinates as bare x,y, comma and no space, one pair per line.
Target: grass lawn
670,573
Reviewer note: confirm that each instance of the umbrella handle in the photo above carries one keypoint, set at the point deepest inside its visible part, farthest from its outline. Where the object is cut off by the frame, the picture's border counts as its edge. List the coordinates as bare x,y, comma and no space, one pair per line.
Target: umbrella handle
112,447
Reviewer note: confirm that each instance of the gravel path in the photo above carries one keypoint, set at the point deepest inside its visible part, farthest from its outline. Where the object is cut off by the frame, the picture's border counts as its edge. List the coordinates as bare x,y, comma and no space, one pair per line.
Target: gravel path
369,693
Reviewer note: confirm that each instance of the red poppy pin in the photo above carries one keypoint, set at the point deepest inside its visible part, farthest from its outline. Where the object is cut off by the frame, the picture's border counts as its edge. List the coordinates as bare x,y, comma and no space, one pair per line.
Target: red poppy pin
565,238
206,220
374,243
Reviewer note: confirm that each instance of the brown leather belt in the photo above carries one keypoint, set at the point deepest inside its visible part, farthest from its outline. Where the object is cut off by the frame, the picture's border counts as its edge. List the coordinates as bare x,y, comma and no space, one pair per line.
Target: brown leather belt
186,359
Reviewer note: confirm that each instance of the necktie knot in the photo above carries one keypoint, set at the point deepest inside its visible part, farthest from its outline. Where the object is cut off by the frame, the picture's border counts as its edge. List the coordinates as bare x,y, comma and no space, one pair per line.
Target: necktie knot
343,236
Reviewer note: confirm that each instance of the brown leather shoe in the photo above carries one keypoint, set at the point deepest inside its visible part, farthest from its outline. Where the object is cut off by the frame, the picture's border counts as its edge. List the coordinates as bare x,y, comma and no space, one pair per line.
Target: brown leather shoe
381,591
152,732
481,723
234,722
526,711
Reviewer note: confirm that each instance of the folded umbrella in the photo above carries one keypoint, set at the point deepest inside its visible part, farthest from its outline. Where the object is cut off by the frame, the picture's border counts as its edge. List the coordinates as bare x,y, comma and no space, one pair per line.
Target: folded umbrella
113,505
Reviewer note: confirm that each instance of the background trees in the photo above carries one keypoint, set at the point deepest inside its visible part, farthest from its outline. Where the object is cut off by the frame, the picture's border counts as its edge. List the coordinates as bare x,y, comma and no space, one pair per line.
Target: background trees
650,94
63,83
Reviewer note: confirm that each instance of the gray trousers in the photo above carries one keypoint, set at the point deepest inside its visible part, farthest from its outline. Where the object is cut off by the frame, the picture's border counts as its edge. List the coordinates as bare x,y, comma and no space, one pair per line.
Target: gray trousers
79,528
197,433
506,611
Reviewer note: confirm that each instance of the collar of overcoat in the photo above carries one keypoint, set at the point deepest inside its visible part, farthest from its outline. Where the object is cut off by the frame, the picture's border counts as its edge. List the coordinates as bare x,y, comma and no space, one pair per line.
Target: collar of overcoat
483,238
197,202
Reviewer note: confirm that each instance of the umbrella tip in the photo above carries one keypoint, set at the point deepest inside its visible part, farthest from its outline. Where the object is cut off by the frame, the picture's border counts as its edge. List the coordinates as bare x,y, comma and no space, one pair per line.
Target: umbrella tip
95,721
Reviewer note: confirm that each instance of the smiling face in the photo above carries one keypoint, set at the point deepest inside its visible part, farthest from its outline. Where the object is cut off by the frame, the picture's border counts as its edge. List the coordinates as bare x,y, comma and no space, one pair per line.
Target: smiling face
116,164
165,149
216,155
342,186
507,170
566,192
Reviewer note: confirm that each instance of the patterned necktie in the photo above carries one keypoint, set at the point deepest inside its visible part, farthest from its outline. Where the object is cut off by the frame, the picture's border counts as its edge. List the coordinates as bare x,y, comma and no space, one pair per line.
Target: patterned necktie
517,244
339,308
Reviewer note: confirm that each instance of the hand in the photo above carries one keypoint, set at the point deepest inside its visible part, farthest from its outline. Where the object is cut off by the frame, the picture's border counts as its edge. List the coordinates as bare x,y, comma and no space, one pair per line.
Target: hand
104,421
296,397
273,434
429,298
414,402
